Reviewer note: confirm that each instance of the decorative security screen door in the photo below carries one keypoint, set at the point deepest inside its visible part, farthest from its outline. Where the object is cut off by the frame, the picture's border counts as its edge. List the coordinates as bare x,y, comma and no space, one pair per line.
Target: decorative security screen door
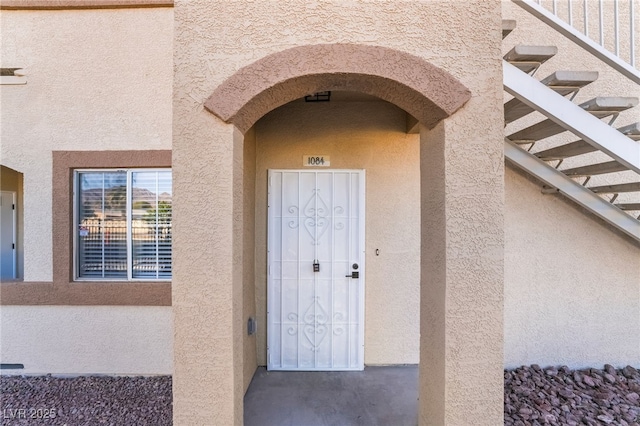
315,301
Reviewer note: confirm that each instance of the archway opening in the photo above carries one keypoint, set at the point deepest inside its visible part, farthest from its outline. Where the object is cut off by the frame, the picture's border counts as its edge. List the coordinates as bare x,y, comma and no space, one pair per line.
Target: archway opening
427,92
252,98
352,132
213,161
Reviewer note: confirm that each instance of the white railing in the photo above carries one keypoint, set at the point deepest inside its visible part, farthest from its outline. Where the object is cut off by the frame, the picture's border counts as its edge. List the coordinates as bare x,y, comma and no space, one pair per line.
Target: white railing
608,23
622,66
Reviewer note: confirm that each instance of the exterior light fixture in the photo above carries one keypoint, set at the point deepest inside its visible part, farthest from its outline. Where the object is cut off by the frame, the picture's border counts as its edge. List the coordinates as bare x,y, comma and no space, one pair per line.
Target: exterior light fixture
318,97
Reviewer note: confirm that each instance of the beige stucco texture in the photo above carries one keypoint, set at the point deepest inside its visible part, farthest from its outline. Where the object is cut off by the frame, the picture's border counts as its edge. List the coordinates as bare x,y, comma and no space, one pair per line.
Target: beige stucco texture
462,263
390,74
213,41
95,79
569,277
572,284
127,340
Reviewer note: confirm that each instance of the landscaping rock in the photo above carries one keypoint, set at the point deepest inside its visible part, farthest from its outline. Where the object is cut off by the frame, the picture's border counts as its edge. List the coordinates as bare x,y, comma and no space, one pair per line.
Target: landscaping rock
559,395
86,400
533,396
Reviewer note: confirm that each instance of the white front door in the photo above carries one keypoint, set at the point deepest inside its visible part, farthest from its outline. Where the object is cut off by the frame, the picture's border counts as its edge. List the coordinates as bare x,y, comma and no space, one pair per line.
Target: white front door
315,284
7,235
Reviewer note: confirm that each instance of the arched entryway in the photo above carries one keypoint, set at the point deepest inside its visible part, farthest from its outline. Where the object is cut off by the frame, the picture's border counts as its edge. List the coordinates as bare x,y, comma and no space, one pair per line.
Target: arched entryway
425,91
461,263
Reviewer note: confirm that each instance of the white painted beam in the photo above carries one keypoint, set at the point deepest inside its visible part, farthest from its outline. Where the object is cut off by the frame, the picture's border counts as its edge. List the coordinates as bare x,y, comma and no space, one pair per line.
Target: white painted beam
572,189
569,115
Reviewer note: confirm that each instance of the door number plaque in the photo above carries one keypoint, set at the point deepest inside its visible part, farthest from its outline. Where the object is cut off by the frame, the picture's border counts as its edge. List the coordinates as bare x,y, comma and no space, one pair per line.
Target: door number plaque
316,161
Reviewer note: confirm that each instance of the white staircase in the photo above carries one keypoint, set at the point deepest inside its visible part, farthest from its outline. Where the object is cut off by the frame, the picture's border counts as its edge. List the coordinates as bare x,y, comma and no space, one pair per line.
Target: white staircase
570,133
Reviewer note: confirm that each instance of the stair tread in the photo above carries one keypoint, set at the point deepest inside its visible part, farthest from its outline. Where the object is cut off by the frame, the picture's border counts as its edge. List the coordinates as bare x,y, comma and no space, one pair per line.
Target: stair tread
580,147
609,104
570,78
508,25
538,131
572,149
561,82
599,107
523,52
628,206
515,109
632,131
618,188
529,58
595,169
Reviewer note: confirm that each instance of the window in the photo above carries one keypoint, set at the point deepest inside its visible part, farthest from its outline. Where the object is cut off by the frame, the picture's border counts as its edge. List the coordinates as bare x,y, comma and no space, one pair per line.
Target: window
123,224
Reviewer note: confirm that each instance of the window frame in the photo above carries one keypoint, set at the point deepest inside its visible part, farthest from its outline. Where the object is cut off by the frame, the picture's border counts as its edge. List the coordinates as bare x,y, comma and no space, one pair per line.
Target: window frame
128,210
62,290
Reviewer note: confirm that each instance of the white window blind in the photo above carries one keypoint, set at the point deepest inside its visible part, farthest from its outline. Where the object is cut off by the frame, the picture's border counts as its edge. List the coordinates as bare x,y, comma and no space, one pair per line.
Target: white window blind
151,224
123,221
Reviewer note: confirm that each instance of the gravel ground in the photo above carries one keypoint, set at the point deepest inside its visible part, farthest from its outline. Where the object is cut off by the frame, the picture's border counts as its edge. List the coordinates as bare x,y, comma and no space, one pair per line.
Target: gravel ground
533,396
90,400
560,396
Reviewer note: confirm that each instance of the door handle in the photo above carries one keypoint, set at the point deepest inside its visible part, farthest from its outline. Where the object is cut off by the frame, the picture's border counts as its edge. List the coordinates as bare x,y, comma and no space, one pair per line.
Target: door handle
354,274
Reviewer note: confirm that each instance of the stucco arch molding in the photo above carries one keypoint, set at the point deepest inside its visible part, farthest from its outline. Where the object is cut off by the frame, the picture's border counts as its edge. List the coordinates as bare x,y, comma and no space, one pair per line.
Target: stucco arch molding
424,90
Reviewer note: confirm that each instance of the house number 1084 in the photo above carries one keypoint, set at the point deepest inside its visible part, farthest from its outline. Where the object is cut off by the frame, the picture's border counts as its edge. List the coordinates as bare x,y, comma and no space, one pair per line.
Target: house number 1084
316,161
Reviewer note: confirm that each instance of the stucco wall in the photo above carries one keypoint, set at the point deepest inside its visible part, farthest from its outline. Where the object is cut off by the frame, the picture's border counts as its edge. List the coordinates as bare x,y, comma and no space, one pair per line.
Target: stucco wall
214,40
568,277
104,79
97,79
572,284
127,340
369,135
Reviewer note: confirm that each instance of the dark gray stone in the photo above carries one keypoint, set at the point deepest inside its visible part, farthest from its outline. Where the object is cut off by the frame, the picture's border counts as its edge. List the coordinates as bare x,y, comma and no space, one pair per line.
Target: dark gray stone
629,372
89,400
566,397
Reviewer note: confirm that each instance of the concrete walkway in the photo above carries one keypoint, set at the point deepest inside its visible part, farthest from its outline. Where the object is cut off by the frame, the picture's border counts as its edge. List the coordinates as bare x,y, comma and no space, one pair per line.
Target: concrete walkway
386,396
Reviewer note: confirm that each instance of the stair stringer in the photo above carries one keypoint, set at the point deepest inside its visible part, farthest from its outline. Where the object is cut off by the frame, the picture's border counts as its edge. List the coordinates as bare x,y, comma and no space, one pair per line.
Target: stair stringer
595,132
571,189
570,116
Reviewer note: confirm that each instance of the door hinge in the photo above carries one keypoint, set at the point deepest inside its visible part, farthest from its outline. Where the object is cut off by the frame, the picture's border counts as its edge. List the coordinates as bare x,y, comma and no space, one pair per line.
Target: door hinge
13,206
13,246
